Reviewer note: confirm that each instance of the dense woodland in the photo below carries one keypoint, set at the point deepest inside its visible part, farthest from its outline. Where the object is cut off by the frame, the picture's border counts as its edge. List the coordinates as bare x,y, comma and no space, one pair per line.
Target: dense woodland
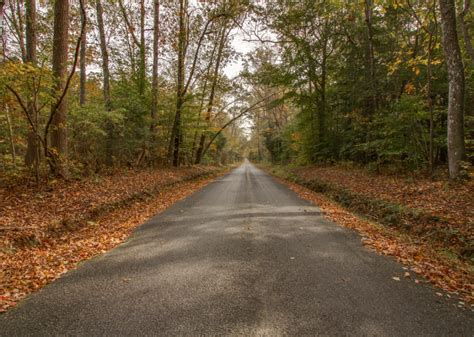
93,84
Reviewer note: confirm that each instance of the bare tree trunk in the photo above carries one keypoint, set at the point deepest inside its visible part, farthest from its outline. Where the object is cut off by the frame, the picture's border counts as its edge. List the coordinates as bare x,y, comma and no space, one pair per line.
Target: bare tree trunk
2,29
142,48
456,87
82,62
322,104
154,85
16,20
32,151
371,56
210,104
430,102
104,52
201,105
174,147
60,56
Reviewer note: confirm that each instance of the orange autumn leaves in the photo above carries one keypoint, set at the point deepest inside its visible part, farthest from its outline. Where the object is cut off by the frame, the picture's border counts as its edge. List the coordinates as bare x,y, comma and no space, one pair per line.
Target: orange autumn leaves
454,276
53,249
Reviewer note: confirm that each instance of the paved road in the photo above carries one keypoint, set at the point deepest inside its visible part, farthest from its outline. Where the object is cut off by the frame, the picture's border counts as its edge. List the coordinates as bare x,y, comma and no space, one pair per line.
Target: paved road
244,256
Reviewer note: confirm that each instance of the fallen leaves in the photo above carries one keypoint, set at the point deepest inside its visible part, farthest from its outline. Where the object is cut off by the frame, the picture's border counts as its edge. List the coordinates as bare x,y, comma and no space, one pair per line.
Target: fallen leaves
452,202
454,276
49,250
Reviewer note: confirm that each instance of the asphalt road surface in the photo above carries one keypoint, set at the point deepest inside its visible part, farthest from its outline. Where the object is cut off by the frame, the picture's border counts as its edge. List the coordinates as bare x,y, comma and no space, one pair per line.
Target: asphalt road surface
244,256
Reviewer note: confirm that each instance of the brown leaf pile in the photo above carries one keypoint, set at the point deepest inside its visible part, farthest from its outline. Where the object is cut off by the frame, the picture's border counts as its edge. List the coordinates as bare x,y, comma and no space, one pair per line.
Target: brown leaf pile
453,202
455,277
26,268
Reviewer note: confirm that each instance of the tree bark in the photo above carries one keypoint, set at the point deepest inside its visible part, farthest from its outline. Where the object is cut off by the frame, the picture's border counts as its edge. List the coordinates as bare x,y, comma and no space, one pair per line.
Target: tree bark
456,87
17,24
465,30
154,84
174,147
82,61
142,48
322,103
2,28
104,52
210,104
32,151
60,56
370,57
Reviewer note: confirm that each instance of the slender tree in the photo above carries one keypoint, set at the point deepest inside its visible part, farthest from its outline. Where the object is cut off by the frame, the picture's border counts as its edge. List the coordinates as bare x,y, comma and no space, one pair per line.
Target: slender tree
139,42
456,87
104,52
60,56
370,55
221,41
156,44
83,61
32,152
174,147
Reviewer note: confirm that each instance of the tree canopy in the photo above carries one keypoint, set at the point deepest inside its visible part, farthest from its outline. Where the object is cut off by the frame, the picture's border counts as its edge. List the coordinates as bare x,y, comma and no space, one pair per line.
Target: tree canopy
91,84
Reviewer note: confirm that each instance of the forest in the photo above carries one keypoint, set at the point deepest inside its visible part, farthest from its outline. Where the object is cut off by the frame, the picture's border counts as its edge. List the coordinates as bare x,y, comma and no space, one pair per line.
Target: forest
91,84
113,110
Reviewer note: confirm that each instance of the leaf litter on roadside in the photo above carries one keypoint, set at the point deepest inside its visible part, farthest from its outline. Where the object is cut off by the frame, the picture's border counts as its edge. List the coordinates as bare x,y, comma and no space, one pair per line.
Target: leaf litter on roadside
37,246
454,276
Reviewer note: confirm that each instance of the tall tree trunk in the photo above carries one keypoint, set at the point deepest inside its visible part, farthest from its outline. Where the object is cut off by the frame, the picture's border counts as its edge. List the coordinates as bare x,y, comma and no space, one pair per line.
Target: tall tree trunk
32,151
154,84
430,102
142,49
104,52
322,102
201,104
82,62
212,93
106,81
16,20
456,87
60,56
174,147
368,4
2,29
465,30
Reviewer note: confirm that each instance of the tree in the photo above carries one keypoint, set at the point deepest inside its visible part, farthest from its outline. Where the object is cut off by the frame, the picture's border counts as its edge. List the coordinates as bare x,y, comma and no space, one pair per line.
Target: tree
180,89
154,82
60,58
222,40
83,61
139,42
33,150
104,52
456,87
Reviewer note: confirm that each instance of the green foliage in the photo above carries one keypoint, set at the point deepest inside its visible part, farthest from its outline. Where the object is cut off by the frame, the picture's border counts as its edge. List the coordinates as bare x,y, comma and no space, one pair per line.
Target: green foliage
93,129
344,105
